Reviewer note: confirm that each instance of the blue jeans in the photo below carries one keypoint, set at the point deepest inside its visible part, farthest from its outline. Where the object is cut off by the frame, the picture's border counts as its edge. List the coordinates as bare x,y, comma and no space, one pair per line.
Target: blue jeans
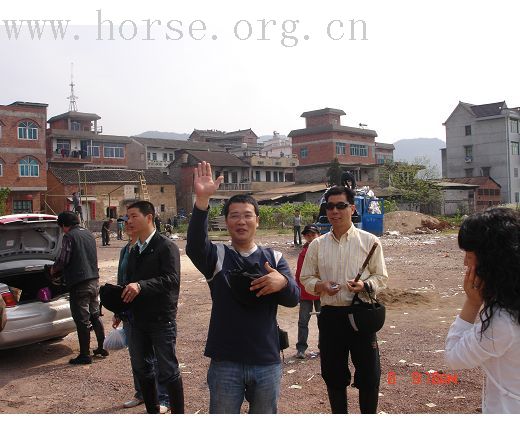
303,321
161,391
230,382
155,340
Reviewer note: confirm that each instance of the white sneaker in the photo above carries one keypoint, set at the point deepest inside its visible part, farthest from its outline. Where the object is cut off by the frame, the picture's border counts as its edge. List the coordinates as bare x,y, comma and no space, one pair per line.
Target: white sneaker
132,403
163,409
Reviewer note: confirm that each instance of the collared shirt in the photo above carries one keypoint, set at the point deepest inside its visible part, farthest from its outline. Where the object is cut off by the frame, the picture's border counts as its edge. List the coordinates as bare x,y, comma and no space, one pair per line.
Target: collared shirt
142,246
497,352
330,259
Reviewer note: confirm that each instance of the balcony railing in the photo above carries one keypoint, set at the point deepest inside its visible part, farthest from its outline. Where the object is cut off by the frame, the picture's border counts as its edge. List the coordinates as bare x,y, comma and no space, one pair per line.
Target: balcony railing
235,186
71,155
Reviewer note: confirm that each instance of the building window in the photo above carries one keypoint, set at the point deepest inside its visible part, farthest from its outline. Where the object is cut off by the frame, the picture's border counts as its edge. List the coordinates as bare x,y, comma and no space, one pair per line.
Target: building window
162,189
467,128
514,125
29,167
149,155
93,150
515,171
515,148
171,157
22,206
114,150
257,176
165,156
468,153
517,197
275,176
154,156
280,174
485,171
304,152
234,177
75,126
358,150
1,168
268,176
468,172
163,208
27,130
226,176
341,148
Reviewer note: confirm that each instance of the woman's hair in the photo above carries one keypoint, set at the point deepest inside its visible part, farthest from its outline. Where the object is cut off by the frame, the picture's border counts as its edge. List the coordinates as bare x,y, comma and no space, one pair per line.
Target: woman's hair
494,237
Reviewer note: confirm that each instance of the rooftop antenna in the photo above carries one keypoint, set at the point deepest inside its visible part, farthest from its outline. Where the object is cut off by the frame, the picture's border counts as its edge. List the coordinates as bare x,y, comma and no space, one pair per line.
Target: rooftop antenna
362,125
72,98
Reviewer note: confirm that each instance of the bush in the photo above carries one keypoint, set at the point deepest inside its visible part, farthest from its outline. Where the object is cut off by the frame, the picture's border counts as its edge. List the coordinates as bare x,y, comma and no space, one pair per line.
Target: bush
390,205
272,217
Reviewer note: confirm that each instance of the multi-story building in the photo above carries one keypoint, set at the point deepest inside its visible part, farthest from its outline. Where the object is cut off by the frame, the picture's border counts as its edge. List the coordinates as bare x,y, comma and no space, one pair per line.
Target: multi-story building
277,146
484,140
74,139
228,139
324,138
22,155
384,153
161,152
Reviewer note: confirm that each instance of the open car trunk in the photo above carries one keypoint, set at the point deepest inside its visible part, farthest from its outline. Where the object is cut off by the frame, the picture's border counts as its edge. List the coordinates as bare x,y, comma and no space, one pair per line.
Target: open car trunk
30,283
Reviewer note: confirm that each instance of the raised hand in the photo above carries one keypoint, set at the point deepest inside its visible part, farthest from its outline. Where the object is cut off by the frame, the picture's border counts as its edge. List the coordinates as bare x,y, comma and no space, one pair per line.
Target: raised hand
203,184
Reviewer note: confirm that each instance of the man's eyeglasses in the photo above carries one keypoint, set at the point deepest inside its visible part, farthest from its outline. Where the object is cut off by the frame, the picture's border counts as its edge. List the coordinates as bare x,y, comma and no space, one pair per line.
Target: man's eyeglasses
340,205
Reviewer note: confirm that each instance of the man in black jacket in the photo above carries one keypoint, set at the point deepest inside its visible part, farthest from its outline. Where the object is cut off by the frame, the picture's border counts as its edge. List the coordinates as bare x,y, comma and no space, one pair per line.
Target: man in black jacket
79,265
153,274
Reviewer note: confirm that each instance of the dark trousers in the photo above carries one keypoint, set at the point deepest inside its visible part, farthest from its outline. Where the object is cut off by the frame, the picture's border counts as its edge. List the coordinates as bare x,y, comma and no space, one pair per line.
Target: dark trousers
84,308
157,338
105,237
337,340
297,234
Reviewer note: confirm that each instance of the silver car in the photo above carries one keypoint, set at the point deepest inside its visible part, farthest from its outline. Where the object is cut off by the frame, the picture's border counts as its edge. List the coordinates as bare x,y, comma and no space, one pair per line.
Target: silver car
27,243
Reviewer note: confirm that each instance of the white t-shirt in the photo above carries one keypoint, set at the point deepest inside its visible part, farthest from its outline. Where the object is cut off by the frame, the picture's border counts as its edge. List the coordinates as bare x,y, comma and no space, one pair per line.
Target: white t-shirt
497,353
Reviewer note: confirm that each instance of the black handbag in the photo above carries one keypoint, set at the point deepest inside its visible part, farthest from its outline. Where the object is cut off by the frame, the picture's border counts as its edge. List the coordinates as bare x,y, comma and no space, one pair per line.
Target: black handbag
366,317
283,339
110,298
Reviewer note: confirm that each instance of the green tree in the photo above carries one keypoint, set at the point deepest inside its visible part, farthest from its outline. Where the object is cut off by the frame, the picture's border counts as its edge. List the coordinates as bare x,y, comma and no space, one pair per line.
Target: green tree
334,172
411,182
4,193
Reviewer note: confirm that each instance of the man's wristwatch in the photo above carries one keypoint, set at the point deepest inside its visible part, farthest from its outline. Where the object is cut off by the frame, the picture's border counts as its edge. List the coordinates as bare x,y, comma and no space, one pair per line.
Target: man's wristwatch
138,288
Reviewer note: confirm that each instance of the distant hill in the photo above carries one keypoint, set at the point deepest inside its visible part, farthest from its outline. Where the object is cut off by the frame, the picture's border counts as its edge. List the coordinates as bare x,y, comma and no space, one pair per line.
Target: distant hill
164,135
410,149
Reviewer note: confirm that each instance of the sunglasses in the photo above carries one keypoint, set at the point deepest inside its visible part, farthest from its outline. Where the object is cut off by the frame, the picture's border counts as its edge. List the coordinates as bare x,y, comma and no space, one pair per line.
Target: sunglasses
340,205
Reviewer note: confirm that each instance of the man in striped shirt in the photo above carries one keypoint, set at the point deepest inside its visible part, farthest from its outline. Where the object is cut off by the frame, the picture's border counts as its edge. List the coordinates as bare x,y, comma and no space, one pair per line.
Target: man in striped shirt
331,264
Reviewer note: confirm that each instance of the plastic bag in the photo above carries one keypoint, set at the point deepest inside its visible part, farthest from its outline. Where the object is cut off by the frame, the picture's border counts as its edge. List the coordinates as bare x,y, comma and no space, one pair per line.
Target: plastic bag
116,340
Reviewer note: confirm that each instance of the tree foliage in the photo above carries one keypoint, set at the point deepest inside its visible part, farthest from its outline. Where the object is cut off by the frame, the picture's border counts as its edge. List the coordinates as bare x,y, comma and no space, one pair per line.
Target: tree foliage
4,193
334,172
410,182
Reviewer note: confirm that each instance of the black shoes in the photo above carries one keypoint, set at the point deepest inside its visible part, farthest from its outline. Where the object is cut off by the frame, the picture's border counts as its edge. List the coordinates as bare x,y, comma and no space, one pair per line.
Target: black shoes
82,359
100,352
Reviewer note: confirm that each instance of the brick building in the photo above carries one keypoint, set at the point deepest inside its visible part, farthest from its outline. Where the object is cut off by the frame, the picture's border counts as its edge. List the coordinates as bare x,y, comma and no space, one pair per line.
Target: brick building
234,170
22,155
74,139
469,194
324,138
230,139
108,192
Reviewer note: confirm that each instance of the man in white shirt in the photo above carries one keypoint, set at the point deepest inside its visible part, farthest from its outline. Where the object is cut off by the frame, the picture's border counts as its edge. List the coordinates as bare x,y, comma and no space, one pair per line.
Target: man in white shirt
330,266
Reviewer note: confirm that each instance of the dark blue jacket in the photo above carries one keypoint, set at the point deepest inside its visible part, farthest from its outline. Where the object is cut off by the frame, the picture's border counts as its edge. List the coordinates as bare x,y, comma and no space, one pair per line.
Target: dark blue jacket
238,333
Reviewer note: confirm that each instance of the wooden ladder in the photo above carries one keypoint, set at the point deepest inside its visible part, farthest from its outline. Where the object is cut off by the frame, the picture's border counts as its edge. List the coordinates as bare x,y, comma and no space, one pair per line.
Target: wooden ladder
144,189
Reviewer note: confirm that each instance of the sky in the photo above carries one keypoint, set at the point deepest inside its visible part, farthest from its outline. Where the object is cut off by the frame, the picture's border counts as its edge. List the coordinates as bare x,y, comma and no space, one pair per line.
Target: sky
401,70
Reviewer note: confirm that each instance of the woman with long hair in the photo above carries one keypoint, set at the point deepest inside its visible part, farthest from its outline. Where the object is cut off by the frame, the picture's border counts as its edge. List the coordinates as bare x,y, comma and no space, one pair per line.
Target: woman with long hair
491,241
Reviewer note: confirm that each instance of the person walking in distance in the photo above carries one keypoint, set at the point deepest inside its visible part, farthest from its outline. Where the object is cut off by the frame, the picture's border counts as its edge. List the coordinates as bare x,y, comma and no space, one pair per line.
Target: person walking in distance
79,265
329,270
105,232
297,224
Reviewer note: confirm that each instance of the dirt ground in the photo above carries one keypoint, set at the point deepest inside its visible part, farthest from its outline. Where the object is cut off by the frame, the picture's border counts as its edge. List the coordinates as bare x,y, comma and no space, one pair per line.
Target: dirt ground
423,297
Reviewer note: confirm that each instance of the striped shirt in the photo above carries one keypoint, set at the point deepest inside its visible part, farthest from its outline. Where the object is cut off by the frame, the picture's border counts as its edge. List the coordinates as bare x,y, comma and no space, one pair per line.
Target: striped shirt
330,259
